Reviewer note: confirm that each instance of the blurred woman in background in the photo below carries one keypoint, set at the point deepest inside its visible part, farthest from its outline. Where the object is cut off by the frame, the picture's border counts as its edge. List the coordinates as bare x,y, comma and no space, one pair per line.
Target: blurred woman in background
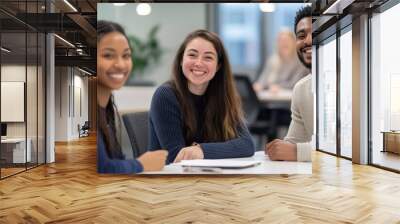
283,69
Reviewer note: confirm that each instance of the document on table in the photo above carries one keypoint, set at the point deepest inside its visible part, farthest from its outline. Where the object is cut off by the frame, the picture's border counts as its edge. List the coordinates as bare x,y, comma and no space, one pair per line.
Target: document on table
219,163
260,164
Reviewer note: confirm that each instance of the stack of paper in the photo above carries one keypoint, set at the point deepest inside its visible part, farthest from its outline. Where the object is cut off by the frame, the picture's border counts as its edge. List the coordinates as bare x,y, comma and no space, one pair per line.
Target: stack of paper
219,163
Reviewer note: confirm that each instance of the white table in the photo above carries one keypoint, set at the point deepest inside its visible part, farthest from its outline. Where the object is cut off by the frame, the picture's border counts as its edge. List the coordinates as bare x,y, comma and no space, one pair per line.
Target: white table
266,167
283,96
19,149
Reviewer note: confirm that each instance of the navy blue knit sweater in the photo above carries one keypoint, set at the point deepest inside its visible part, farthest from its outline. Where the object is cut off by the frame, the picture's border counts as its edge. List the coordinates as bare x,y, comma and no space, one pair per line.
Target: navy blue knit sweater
166,131
117,166
115,163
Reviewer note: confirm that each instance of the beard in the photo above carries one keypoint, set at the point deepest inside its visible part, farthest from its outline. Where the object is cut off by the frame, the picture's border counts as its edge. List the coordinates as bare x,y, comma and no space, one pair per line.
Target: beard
300,55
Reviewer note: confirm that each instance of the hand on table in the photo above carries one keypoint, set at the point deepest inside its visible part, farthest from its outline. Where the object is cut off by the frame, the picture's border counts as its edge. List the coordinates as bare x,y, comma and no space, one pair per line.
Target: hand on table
257,87
274,88
153,160
281,150
188,153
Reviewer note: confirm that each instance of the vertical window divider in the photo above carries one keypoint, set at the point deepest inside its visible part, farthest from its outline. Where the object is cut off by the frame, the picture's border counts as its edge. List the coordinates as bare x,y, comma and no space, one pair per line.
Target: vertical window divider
26,87
0,97
73,91
37,90
369,101
317,98
338,99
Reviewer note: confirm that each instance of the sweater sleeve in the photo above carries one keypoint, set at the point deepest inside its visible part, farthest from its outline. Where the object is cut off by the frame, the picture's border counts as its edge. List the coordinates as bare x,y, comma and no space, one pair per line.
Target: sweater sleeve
166,119
242,146
297,132
304,151
117,166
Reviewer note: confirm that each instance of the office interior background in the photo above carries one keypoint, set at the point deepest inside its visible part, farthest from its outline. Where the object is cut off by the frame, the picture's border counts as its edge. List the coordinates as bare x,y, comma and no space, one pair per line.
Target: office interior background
47,80
31,58
48,88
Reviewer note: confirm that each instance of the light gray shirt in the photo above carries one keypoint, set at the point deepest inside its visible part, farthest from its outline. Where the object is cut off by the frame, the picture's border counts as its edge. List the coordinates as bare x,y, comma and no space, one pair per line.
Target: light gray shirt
302,124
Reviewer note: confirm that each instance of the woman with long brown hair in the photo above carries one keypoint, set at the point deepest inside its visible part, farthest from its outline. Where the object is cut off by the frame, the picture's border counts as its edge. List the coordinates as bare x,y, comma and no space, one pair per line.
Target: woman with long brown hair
114,65
197,114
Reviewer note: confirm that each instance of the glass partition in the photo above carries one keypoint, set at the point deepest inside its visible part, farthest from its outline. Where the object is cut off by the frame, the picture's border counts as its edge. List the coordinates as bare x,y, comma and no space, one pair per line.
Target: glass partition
327,95
14,153
346,93
385,89
31,97
22,89
41,96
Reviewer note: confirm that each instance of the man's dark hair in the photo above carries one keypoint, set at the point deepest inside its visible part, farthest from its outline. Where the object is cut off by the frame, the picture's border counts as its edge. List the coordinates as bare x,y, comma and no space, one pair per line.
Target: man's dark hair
302,13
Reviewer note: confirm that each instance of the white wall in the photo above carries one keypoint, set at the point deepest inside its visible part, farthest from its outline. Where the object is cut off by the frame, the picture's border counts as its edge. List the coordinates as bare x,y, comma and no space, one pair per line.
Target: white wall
68,82
175,20
61,103
33,126
15,73
80,84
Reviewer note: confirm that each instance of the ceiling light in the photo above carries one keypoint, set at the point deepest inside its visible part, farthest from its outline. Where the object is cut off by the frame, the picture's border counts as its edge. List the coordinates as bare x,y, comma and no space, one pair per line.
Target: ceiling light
70,5
267,7
119,4
5,49
143,9
65,41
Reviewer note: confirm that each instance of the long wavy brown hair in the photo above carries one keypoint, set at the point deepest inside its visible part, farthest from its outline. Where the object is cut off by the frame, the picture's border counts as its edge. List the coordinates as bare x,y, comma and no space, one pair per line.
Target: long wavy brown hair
223,111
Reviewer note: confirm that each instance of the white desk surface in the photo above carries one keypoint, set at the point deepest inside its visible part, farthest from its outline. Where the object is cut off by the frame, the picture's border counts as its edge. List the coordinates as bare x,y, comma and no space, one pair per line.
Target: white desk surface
266,167
281,96
13,140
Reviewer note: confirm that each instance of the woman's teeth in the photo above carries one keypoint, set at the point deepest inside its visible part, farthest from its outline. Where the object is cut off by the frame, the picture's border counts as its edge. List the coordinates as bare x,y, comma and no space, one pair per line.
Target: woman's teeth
117,76
197,72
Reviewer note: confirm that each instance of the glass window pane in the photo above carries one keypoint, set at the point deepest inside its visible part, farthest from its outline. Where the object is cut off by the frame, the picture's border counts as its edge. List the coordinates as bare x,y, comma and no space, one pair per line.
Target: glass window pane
14,146
31,97
240,29
22,87
346,94
327,96
41,98
385,84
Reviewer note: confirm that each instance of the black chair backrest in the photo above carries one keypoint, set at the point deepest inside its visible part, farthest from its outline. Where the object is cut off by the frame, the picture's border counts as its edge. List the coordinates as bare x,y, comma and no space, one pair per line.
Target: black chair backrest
86,125
137,125
251,104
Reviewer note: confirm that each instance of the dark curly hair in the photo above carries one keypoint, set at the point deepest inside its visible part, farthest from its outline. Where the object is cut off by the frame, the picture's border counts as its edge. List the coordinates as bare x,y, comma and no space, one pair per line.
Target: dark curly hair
302,13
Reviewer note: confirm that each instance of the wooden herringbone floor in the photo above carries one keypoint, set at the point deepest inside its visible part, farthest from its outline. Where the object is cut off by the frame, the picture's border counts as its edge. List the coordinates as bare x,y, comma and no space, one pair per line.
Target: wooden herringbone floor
70,191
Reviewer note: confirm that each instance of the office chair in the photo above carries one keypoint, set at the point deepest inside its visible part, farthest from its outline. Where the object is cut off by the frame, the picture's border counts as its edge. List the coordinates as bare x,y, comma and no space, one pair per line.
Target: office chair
137,125
84,129
252,108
